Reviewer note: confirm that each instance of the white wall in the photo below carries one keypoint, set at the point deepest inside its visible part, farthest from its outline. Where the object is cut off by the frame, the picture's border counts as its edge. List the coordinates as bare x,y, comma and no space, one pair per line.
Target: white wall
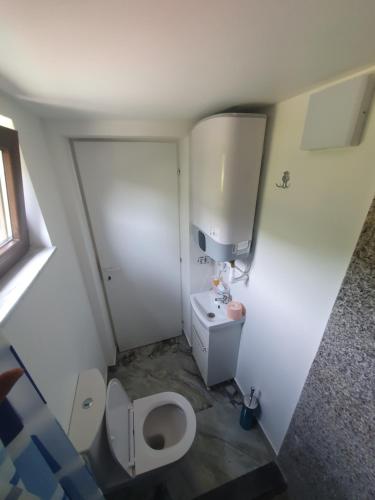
58,133
52,327
183,150
200,274
195,277
305,240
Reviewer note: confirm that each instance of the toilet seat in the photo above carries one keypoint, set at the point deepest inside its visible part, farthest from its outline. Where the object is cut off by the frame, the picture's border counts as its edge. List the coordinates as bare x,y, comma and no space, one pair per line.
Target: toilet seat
125,422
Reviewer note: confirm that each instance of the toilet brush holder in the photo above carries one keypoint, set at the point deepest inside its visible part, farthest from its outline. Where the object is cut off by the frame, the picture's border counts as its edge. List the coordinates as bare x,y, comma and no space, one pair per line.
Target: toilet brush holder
249,412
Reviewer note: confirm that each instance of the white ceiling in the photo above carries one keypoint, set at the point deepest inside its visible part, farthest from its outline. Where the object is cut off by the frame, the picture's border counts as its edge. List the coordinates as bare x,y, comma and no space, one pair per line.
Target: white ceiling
174,58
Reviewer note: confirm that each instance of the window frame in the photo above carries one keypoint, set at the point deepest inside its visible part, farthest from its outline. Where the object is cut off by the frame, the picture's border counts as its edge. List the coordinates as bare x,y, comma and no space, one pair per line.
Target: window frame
12,251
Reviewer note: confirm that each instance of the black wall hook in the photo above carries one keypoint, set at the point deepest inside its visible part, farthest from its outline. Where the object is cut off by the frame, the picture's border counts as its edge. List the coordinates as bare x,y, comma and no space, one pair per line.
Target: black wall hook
285,180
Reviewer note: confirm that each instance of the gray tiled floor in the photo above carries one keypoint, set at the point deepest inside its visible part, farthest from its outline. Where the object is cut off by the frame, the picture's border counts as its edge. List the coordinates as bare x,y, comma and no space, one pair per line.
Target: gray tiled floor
222,450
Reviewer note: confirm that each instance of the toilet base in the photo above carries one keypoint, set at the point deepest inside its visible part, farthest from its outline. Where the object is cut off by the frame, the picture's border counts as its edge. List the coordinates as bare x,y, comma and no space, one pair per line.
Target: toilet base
107,472
148,479
111,477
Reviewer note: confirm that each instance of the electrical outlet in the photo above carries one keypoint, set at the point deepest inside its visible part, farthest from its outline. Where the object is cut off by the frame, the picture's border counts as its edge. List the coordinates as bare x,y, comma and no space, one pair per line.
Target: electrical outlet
204,259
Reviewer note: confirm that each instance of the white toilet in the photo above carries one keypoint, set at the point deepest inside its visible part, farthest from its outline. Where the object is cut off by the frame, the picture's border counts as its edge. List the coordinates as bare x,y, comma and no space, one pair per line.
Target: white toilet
134,437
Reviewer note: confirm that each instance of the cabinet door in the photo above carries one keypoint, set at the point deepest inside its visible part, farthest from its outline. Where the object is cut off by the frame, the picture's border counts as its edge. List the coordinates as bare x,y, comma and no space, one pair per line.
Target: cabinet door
224,344
200,353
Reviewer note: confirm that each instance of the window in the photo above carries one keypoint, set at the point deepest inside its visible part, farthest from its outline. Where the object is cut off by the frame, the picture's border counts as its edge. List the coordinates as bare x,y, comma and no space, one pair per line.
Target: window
14,239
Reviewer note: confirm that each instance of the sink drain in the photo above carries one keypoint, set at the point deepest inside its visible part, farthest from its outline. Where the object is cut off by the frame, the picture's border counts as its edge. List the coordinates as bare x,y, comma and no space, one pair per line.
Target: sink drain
211,315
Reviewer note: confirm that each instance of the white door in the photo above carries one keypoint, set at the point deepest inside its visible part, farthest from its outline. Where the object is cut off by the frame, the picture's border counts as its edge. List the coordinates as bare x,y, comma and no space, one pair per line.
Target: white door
131,192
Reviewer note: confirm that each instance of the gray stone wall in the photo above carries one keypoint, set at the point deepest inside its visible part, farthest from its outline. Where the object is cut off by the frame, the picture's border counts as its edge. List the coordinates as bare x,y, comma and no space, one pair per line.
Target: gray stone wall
329,449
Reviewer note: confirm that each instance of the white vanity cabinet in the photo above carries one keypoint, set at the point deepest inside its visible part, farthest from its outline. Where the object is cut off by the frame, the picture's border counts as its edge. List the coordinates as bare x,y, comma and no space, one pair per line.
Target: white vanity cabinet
215,344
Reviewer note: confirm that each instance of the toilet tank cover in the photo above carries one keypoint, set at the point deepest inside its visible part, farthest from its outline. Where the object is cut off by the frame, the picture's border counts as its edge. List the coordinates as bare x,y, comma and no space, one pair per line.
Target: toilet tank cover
88,409
119,422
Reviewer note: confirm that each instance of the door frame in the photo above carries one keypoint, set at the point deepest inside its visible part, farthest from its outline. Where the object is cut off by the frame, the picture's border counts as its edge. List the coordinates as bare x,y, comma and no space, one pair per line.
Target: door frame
97,269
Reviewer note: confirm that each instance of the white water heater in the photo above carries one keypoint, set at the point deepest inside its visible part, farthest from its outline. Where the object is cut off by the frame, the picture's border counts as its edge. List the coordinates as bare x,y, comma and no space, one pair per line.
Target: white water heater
226,154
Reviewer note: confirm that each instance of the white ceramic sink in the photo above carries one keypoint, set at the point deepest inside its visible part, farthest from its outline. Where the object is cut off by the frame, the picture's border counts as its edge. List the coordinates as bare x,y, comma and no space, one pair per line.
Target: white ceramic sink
211,314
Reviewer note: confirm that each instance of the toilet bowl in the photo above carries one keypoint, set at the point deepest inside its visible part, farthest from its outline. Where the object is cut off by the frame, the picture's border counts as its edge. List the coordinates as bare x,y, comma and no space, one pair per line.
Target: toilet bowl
141,435
150,432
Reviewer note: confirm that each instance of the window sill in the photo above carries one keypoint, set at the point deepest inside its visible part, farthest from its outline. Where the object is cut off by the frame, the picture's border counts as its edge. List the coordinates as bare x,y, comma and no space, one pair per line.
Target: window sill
15,283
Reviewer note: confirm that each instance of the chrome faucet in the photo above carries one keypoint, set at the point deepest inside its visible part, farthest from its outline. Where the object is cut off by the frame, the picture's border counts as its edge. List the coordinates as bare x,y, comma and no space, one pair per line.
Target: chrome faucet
225,298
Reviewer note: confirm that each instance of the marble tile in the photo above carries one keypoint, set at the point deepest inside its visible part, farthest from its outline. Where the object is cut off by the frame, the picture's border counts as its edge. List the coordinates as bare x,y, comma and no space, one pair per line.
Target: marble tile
222,450
165,366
